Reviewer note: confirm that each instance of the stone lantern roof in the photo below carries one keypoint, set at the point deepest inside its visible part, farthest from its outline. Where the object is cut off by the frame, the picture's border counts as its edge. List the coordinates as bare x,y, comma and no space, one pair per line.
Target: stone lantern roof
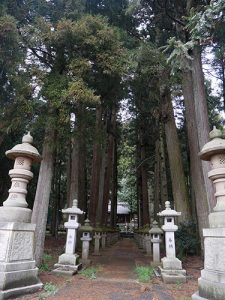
86,227
155,228
168,212
215,146
73,210
25,149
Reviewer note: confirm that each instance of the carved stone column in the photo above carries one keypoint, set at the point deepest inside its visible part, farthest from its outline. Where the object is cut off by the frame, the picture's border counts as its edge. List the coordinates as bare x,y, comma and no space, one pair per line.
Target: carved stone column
18,271
212,281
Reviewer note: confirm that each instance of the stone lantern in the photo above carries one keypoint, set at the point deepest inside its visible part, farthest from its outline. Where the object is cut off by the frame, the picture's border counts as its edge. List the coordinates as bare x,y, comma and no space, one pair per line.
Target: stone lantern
212,281
15,207
97,237
171,270
68,261
156,233
18,271
103,244
86,238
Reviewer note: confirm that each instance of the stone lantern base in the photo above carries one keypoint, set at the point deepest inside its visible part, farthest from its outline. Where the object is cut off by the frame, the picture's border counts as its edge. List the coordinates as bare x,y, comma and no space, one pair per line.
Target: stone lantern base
68,264
18,273
211,284
171,270
15,214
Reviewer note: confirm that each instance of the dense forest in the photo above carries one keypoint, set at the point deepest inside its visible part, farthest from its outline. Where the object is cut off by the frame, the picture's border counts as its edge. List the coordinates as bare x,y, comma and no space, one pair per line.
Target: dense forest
120,97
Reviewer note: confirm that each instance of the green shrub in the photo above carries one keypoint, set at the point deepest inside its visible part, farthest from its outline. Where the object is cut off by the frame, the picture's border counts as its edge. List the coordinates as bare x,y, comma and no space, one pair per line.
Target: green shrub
90,273
44,267
144,273
50,289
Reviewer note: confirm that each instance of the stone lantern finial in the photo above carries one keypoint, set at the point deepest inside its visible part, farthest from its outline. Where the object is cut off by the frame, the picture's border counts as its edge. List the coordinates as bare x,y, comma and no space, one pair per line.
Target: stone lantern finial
27,138
215,133
167,205
75,203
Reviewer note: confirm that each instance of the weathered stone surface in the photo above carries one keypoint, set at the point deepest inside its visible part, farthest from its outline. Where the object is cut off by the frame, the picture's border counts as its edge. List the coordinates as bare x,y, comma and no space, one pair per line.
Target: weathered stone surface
196,296
68,259
4,239
12,293
173,278
171,263
172,266
15,214
97,238
212,282
21,246
21,265
18,273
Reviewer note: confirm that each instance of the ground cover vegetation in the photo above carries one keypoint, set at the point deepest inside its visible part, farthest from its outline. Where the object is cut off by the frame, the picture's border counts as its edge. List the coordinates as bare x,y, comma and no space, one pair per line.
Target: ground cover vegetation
144,273
115,96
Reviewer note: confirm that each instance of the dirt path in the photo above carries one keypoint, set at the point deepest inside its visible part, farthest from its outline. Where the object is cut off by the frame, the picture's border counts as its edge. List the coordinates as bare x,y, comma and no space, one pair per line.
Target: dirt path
116,279
119,261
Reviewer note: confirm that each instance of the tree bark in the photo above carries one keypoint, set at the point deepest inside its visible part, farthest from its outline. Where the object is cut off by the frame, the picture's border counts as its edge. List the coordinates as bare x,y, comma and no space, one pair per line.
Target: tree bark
108,173
68,173
163,175
201,113
96,167
144,187
157,181
180,192
56,195
139,189
73,194
197,178
82,168
113,215
103,163
41,202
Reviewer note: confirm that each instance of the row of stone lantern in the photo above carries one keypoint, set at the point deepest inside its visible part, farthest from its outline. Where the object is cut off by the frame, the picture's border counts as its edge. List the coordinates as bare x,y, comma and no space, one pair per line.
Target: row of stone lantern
171,269
15,210
17,234
150,239
68,262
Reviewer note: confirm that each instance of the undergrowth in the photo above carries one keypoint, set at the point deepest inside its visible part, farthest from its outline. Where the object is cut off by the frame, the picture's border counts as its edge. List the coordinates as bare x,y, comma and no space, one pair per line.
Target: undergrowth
144,273
49,290
90,272
44,267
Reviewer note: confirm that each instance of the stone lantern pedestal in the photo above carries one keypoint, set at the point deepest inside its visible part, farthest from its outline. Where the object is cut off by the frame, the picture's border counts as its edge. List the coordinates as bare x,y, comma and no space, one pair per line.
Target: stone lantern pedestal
68,261
148,245
86,238
171,270
211,284
103,244
97,237
156,233
18,271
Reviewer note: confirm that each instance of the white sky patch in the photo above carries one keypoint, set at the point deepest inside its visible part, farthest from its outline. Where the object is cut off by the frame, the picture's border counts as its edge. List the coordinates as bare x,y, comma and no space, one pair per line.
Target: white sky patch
124,112
210,72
